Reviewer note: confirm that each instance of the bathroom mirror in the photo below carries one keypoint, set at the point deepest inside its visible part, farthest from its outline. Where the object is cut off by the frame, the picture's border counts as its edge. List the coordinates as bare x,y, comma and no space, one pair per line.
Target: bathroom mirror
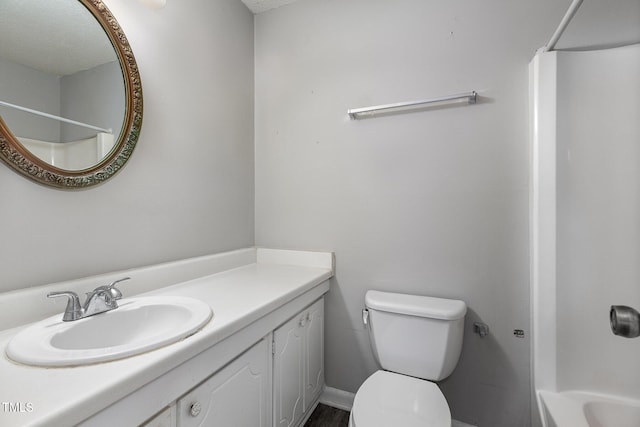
70,92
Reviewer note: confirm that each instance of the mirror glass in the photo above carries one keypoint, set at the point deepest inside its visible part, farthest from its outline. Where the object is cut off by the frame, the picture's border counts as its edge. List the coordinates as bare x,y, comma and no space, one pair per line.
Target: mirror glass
70,95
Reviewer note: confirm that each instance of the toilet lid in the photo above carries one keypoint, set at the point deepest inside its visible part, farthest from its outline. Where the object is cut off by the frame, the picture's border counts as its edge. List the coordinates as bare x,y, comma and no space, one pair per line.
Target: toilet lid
389,399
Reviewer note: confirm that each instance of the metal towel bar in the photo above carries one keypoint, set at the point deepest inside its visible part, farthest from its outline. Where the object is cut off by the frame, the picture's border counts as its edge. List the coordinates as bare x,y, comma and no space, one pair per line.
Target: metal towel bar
356,113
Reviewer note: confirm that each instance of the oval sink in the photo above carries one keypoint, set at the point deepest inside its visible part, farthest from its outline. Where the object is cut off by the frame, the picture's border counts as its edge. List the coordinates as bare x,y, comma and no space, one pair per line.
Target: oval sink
138,325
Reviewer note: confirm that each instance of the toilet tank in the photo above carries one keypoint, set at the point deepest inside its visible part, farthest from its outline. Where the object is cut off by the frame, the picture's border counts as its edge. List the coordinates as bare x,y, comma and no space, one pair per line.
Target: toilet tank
415,335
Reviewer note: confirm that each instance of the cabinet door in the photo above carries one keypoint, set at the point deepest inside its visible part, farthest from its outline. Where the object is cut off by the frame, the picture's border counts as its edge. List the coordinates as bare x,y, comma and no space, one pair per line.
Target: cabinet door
237,395
166,418
314,353
288,371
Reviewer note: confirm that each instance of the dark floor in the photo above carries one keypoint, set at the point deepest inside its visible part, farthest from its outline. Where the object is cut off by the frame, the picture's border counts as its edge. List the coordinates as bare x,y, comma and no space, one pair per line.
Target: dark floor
326,416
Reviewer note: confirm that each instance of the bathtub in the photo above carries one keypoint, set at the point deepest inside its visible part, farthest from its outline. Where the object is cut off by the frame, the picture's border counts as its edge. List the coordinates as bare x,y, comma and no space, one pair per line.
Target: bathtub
582,409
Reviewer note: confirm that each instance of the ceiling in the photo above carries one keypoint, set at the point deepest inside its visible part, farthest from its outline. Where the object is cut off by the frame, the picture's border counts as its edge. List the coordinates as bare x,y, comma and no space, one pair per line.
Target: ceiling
601,24
57,37
597,24
259,6
55,24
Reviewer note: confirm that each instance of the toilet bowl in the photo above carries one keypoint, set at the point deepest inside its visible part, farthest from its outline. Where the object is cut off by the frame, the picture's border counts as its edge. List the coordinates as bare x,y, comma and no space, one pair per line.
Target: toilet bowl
389,399
416,340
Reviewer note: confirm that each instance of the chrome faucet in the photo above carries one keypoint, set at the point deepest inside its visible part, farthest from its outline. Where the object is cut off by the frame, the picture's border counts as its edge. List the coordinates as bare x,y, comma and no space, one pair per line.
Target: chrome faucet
101,299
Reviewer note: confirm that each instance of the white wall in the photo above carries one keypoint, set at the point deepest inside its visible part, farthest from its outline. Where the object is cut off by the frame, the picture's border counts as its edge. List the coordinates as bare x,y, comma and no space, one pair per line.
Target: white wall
27,87
598,167
188,187
432,202
95,96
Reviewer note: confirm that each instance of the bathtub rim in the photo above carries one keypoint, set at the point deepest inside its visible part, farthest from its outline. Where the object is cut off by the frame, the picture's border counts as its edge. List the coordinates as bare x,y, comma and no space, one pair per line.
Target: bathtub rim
568,406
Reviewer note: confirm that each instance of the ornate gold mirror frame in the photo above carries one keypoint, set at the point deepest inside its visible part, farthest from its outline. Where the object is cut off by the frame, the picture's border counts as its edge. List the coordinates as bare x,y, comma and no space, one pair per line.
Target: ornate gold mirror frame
23,161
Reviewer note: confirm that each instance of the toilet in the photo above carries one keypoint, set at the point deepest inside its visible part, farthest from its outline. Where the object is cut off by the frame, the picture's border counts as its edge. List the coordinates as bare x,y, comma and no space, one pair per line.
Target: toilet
416,340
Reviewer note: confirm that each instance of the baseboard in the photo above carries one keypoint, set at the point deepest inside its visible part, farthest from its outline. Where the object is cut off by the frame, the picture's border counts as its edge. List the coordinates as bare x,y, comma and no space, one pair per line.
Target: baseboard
309,413
344,400
337,398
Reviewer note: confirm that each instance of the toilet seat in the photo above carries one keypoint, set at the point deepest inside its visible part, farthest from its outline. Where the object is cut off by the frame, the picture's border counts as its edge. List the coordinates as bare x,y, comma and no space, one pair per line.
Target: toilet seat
387,399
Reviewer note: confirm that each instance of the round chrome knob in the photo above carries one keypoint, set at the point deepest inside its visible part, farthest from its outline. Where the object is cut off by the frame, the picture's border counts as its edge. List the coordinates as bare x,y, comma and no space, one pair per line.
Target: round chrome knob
195,409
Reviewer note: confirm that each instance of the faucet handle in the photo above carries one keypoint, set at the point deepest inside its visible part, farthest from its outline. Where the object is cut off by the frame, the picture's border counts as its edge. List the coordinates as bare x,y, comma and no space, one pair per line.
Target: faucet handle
115,292
74,310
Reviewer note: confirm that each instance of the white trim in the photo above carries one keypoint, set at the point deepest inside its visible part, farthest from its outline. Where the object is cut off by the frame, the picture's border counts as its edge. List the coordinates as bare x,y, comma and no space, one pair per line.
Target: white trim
143,279
298,258
542,228
337,398
456,423
543,220
309,413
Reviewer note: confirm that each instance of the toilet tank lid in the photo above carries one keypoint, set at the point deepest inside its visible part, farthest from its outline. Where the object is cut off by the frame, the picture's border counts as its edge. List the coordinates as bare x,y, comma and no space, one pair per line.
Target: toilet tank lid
416,305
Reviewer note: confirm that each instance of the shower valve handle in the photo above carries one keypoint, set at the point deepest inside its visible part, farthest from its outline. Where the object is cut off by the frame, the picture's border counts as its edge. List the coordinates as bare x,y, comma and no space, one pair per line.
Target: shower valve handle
625,321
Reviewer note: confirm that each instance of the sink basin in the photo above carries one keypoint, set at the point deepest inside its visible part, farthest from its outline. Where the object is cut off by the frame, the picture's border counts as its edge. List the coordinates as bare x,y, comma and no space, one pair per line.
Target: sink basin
138,325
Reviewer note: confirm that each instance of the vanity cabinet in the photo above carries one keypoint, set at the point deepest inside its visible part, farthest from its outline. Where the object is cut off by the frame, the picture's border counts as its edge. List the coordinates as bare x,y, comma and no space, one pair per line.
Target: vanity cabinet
276,382
223,374
298,365
166,418
237,395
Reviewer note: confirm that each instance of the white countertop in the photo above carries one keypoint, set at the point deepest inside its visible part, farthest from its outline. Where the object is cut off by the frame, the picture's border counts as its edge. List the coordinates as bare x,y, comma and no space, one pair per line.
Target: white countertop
66,396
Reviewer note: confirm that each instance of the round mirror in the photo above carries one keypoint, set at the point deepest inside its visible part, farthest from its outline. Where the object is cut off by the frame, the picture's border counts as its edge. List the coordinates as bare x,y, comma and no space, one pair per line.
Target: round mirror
70,92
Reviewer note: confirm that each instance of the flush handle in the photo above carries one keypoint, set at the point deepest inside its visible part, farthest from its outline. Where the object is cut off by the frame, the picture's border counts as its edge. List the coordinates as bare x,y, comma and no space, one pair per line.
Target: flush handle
365,318
481,329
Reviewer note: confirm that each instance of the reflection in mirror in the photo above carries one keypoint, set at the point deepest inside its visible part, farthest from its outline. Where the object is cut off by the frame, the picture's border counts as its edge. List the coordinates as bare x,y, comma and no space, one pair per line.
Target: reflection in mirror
70,95
39,73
